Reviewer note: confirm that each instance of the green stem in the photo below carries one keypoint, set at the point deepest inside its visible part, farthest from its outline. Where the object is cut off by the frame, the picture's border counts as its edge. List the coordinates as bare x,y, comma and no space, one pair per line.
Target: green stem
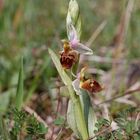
78,113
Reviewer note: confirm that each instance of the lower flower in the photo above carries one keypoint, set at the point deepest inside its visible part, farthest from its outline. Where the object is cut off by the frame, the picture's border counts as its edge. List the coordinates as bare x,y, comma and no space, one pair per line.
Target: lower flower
88,84
91,86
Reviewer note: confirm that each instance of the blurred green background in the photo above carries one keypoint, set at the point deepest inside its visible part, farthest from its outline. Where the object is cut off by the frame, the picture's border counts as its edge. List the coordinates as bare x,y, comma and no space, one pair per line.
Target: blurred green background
29,27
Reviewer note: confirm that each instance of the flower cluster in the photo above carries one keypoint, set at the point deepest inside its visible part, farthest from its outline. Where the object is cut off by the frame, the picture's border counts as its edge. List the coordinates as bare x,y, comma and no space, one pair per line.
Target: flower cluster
72,48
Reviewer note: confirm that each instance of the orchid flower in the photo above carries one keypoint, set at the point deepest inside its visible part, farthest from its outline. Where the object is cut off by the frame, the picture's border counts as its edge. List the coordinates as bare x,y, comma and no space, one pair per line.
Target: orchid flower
68,56
89,84
72,48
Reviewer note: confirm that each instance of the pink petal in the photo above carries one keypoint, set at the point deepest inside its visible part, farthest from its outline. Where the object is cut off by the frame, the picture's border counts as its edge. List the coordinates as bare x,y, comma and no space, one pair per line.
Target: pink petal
73,34
82,49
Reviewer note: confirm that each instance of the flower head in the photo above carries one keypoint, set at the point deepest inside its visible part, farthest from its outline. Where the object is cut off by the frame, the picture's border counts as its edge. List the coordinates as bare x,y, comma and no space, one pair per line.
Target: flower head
91,85
87,83
68,56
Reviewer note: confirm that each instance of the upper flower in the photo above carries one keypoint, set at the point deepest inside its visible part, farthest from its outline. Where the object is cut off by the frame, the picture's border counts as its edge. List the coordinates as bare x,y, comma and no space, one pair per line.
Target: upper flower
72,48
68,56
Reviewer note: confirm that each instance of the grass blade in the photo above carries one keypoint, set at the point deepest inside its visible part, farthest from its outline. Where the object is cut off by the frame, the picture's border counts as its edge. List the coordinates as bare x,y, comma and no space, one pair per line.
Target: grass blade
36,80
4,135
19,94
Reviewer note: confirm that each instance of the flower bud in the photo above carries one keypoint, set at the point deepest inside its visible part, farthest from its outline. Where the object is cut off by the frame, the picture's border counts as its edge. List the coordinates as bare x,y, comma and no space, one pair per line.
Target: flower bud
73,11
73,18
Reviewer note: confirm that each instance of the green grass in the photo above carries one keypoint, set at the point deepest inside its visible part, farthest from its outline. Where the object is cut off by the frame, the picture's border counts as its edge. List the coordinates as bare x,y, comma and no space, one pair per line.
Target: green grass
29,27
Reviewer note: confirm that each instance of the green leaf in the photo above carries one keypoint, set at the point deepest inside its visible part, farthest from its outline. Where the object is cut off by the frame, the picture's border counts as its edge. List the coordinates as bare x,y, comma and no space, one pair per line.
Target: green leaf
19,94
64,91
136,137
88,111
91,122
42,129
65,78
59,121
71,118
75,118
